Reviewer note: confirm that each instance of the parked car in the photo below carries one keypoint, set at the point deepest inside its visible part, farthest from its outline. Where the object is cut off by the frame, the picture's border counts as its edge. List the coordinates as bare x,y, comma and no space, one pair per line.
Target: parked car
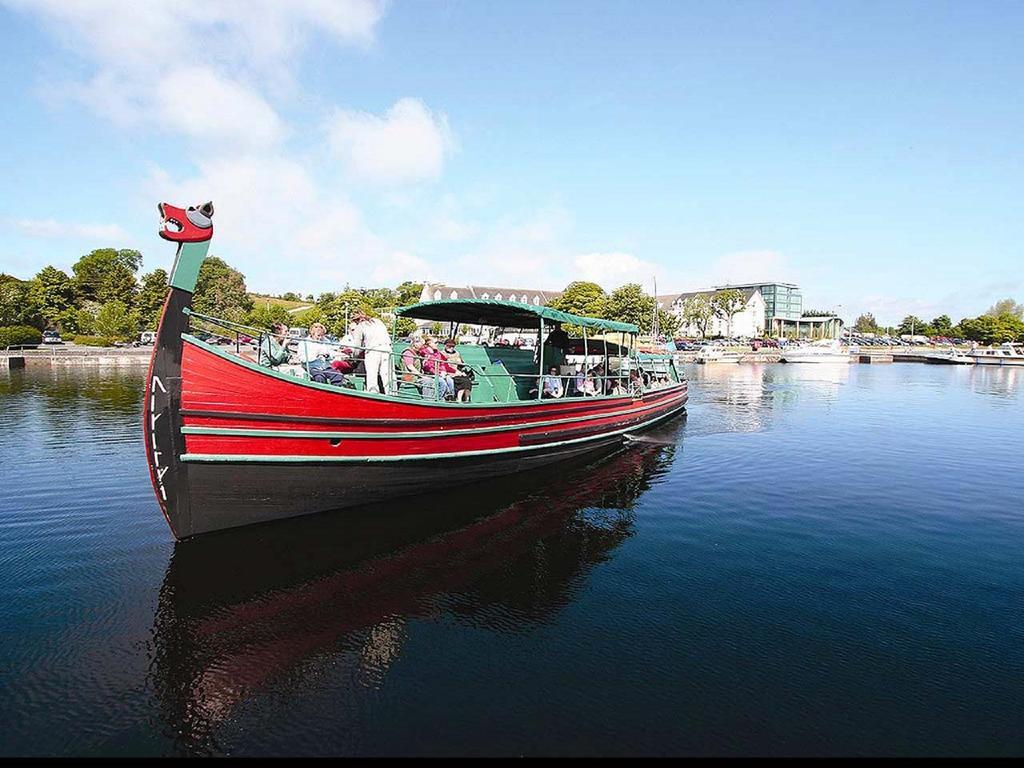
147,337
52,337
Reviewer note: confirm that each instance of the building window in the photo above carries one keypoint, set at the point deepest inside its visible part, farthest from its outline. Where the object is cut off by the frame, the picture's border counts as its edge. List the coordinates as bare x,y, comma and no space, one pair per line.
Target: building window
486,296
536,300
437,295
497,296
453,295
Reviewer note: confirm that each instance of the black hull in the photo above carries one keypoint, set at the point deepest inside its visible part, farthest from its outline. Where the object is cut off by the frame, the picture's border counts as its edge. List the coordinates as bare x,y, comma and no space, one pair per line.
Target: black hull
230,495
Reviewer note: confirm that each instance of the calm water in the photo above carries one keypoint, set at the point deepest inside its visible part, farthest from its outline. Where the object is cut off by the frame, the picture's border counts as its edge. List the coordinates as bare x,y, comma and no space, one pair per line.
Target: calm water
816,560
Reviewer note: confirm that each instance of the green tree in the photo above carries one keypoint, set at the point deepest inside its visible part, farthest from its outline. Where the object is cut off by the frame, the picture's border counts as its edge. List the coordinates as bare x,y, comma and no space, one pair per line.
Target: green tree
582,298
942,325
53,292
726,304
409,293
668,323
866,323
151,298
115,321
220,291
17,305
265,314
629,304
987,329
698,311
916,326
307,317
339,307
1006,307
107,274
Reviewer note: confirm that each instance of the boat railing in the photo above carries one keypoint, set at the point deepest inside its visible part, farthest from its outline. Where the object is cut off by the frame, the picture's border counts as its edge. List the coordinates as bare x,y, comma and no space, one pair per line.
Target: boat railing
221,332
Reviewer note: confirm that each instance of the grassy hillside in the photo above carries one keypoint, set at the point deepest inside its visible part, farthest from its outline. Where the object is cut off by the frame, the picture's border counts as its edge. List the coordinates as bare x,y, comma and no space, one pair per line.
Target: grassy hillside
262,301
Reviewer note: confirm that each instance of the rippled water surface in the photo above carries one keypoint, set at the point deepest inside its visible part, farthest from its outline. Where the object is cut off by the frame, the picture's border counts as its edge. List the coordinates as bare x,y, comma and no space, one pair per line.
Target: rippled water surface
816,560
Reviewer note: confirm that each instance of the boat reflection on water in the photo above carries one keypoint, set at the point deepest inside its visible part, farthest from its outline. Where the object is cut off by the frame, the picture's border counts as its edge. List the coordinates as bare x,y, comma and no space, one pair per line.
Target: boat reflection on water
245,609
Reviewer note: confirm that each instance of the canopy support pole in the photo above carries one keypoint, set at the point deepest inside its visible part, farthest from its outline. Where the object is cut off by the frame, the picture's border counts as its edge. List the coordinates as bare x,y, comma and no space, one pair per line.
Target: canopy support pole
607,370
540,358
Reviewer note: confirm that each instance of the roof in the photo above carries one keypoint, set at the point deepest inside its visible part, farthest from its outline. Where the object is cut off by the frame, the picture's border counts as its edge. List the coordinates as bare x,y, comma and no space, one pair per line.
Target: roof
747,294
503,314
755,285
489,291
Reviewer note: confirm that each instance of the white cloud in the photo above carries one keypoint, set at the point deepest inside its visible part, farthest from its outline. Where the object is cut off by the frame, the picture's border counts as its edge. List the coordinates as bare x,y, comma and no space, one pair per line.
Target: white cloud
283,230
613,269
206,106
399,266
53,229
408,143
219,55
241,34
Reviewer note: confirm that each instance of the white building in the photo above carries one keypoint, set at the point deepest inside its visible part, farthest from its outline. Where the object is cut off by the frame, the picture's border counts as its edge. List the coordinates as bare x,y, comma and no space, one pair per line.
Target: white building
749,321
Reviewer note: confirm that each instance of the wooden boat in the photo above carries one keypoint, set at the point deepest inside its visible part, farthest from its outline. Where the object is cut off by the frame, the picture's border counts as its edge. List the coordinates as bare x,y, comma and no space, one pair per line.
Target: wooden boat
231,443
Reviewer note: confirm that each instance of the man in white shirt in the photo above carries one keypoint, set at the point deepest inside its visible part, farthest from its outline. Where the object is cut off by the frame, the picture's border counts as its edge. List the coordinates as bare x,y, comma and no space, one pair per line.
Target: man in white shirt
372,335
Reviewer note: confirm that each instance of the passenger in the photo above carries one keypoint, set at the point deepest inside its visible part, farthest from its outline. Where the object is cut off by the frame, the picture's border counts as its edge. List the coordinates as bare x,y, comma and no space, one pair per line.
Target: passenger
601,379
412,369
274,347
589,388
372,336
552,384
317,356
636,383
455,366
433,365
577,381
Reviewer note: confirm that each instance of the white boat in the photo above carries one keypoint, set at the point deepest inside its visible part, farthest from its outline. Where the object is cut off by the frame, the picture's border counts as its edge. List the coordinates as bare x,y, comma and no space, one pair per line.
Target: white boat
951,356
716,354
821,351
1006,354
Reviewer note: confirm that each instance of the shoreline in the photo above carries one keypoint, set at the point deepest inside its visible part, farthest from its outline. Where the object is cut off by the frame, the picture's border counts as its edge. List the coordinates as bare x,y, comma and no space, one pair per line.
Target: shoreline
75,356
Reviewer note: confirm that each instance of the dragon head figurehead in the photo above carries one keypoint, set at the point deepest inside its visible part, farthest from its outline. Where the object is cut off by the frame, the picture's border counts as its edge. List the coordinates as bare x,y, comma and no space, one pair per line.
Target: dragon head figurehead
180,225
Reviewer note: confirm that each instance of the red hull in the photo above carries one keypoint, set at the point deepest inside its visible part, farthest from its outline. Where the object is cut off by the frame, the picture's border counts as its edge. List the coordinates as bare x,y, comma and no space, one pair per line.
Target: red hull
233,409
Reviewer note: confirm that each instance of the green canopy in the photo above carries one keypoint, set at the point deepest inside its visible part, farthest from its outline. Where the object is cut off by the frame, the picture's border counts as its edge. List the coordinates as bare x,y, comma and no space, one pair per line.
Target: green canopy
503,314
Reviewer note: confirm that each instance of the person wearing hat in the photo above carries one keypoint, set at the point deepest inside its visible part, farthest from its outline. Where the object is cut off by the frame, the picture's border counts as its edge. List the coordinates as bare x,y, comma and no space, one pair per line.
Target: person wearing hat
372,336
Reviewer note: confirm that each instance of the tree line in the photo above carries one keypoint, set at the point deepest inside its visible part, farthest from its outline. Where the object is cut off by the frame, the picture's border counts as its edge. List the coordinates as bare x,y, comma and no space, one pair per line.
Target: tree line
1002,322
105,300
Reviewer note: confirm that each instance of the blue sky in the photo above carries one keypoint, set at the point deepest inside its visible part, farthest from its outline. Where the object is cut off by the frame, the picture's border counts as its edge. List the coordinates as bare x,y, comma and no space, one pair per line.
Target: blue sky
869,151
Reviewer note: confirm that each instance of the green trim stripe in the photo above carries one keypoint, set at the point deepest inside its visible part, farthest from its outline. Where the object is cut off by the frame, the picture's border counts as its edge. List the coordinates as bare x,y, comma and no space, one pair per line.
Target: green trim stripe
249,458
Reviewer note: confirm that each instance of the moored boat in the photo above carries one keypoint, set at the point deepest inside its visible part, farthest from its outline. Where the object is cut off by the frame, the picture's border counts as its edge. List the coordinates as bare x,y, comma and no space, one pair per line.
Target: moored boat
717,354
1005,354
231,442
951,356
821,351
